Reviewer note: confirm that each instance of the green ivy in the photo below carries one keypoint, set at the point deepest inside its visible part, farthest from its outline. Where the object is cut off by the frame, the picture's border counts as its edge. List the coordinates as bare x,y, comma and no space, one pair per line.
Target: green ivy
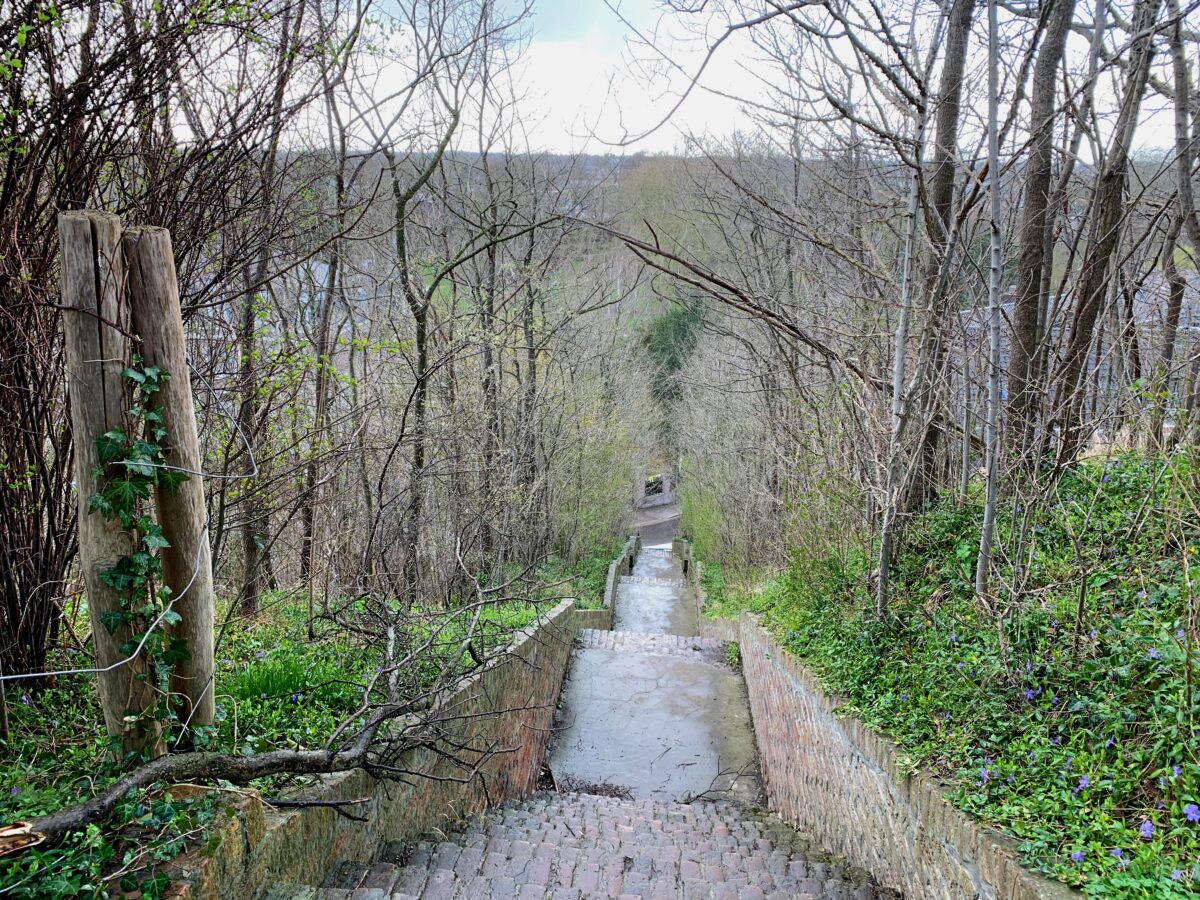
131,466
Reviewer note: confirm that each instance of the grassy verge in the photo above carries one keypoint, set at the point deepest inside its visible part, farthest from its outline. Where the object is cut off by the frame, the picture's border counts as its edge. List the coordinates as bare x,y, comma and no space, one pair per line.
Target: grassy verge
584,580
276,689
1066,713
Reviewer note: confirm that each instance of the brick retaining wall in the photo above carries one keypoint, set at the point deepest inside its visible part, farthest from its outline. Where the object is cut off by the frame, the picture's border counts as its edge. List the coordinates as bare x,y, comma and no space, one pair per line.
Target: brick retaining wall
602,619
720,629
508,705
841,783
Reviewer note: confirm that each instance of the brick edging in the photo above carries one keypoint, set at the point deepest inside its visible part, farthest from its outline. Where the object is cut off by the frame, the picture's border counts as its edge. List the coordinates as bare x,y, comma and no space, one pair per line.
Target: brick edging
842,783
509,703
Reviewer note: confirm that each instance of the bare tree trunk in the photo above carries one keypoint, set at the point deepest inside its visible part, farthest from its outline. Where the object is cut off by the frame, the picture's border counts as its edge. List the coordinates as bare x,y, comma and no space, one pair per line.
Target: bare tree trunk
941,213
1185,152
249,597
983,563
187,563
418,304
1035,223
1107,219
892,480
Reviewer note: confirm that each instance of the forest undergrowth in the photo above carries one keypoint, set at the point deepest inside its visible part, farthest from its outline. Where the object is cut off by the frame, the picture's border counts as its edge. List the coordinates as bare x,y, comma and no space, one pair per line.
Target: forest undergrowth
1065,711
279,688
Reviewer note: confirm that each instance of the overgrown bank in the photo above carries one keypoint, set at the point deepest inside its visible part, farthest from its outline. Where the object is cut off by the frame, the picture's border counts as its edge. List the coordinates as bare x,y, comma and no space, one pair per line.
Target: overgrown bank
1064,711
278,688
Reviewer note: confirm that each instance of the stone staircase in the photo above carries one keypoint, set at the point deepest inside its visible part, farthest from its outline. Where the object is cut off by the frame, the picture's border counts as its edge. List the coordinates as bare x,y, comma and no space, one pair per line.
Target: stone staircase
658,708
564,846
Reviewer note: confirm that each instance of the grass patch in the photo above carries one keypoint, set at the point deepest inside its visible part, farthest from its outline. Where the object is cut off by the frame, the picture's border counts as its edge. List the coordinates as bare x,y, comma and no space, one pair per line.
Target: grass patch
584,580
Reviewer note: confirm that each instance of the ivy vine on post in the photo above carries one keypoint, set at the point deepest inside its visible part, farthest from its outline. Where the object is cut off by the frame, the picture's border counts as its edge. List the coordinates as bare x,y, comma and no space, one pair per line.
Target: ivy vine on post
132,464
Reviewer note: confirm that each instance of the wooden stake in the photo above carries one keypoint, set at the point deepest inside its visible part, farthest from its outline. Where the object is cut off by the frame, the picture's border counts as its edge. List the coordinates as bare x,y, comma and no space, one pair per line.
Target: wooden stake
97,350
187,563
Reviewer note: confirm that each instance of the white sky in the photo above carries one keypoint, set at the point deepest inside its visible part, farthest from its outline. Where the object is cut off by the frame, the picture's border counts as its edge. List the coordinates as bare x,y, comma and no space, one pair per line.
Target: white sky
580,93
582,96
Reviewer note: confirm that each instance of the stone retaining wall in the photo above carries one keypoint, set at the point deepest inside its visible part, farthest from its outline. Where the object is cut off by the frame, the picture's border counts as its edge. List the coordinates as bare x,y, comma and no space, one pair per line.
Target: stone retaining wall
509,706
841,783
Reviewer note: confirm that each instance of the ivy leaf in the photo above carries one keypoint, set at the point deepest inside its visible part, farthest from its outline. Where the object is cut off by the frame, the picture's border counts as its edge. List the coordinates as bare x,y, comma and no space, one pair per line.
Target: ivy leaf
134,375
177,651
170,479
153,539
110,444
139,465
124,493
116,578
112,619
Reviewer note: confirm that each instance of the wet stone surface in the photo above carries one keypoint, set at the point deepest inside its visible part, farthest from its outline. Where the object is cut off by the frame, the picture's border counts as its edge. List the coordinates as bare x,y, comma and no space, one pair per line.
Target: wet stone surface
655,720
666,721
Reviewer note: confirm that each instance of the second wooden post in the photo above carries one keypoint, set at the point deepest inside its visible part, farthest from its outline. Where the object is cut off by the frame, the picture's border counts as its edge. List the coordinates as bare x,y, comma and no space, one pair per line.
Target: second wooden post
187,564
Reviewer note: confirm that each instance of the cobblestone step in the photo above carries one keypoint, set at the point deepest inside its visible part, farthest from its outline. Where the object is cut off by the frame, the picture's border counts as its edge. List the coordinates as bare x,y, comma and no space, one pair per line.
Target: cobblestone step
652,579
640,642
585,846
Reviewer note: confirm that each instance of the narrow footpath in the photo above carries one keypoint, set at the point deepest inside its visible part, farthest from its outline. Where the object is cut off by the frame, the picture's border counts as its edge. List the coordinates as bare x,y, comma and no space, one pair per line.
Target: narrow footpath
657,780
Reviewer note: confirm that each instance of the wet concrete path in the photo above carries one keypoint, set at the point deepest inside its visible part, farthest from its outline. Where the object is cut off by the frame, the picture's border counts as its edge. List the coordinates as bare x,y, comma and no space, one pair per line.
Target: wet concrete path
651,707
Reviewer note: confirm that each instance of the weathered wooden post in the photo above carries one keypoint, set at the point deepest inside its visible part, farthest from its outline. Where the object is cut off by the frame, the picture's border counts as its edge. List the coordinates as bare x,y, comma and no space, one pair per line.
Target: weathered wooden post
97,350
187,564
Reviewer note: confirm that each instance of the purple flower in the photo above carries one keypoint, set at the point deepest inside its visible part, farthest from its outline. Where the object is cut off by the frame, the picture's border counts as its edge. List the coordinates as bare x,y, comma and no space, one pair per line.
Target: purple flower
1083,783
1029,693
1181,634
259,655
1147,829
1077,856
1117,852
1177,874
1153,653
1176,771
15,791
1192,812
1110,742
295,698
